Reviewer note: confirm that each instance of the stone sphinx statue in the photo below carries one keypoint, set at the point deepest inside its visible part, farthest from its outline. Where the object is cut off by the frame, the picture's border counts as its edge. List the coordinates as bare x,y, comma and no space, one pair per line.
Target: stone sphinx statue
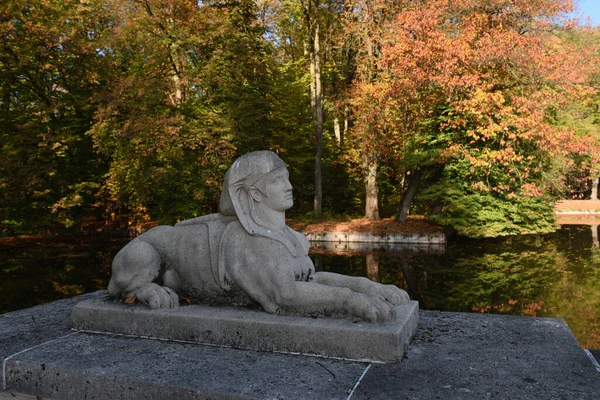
245,255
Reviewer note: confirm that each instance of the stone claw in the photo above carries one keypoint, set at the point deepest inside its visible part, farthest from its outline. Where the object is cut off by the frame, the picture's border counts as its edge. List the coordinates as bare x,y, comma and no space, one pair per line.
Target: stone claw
156,296
377,309
394,295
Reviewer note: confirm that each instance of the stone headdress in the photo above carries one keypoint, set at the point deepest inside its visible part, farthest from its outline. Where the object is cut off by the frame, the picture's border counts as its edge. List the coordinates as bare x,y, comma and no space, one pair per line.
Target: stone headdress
245,172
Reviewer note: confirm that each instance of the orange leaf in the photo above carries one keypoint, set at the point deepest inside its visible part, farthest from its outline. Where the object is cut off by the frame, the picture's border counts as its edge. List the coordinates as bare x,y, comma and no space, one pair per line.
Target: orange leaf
131,299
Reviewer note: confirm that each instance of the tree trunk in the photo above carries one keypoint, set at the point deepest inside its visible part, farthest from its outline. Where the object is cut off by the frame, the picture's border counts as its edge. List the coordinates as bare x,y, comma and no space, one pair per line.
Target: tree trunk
595,241
337,127
371,203
311,13
337,130
371,133
318,121
594,195
413,185
346,123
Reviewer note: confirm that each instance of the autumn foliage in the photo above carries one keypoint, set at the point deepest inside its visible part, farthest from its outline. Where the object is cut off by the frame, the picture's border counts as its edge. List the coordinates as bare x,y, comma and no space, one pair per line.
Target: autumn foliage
129,111
465,92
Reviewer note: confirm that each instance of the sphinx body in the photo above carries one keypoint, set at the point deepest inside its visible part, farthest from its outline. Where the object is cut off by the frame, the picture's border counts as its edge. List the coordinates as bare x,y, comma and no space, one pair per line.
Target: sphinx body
167,262
245,255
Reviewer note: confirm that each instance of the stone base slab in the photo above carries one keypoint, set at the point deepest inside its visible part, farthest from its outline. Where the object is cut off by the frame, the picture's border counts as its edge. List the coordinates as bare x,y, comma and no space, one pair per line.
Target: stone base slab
254,330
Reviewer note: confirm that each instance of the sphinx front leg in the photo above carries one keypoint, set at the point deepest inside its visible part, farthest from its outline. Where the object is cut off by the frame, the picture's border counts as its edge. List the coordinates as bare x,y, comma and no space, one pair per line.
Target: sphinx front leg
391,293
134,269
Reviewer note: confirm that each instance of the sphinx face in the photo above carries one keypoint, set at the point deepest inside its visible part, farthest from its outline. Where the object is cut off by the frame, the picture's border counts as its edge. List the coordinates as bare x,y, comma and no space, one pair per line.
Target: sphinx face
278,190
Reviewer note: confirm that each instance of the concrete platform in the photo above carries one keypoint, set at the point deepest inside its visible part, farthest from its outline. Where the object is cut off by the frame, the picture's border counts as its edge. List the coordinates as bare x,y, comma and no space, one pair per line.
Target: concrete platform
452,356
253,329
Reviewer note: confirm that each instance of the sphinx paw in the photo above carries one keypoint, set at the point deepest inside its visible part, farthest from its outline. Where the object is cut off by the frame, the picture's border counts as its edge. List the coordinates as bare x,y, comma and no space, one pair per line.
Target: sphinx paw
376,309
156,296
394,295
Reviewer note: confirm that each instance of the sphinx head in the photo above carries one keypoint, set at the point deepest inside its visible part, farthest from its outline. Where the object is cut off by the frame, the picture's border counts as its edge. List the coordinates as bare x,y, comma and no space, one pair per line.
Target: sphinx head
257,179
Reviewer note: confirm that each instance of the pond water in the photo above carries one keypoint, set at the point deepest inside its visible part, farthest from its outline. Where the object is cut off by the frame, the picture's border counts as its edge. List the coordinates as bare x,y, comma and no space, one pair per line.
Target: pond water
556,275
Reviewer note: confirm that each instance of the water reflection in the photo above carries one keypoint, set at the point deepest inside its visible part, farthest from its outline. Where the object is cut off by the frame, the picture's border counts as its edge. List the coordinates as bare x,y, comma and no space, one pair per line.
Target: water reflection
555,275
373,266
44,269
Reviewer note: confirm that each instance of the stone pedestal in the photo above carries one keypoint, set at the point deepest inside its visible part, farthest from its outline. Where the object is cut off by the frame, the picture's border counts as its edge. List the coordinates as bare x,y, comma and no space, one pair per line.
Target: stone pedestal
253,329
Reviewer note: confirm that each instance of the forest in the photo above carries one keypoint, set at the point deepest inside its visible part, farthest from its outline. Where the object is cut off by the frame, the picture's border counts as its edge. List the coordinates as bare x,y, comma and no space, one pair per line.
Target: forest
116,114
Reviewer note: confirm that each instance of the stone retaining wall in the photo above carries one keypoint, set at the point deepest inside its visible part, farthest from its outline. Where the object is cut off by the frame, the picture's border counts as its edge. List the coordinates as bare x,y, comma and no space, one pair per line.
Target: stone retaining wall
364,237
